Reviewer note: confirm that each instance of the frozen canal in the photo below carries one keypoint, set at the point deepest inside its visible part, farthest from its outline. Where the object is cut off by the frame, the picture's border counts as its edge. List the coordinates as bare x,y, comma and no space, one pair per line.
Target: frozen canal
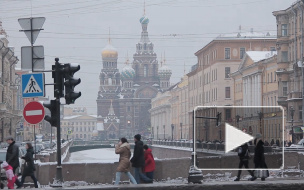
104,155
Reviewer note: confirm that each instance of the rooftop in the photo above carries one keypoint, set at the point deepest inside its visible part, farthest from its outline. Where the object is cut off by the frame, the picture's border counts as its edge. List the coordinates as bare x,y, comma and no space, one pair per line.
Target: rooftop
247,35
260,55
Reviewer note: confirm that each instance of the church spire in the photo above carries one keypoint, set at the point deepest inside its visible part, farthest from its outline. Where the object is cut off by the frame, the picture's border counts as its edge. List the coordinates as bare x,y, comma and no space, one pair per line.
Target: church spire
144,8
109,38
111,110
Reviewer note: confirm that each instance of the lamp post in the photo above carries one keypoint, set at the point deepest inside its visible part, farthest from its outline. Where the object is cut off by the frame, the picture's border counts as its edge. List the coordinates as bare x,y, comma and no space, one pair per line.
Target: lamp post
157,132
164,131
181,127
237,117
292,132
206,130
172,127
261,117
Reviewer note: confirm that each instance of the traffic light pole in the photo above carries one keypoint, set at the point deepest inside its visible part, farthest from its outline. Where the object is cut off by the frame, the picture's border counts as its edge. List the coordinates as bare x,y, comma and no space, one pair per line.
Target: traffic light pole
58,77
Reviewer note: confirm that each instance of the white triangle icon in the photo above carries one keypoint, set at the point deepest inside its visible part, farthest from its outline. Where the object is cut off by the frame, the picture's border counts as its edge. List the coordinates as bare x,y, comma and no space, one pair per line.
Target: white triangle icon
235,137
32,86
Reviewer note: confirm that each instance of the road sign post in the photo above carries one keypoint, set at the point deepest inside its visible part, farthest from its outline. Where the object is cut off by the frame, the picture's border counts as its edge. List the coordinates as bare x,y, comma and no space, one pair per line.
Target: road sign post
31,27
33,85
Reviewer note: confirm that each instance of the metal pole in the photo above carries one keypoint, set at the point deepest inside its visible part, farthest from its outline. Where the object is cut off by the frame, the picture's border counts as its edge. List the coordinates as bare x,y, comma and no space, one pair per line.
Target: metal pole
302,90
35,140
181,126
51,135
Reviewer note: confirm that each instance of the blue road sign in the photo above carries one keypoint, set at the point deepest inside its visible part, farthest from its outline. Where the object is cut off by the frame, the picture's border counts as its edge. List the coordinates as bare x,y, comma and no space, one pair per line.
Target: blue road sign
32,85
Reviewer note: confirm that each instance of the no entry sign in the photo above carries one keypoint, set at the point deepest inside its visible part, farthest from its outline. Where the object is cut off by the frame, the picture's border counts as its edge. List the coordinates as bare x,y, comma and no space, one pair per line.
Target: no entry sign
33,112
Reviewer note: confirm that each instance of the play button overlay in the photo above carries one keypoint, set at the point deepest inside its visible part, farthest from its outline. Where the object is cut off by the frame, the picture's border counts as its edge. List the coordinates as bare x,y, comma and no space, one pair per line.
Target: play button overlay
224,135
235,138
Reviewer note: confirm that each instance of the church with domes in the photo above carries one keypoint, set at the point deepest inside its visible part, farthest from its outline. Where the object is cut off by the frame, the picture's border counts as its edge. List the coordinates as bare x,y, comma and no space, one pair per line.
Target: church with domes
124,97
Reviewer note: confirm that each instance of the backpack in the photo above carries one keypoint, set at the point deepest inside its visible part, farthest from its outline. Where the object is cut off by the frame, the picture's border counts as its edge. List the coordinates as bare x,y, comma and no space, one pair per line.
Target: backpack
240,151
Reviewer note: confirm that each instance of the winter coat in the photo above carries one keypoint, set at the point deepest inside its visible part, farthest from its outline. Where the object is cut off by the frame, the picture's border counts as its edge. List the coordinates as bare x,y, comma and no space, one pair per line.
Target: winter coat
259,158
149,161
29,166
11,178
138,160
124,157
244,154
12,155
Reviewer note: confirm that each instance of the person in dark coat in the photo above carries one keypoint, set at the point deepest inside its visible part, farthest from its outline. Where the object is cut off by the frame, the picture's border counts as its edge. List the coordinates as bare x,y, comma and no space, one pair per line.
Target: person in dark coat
29,166
259,157
138,161
243,154
149,162
12,156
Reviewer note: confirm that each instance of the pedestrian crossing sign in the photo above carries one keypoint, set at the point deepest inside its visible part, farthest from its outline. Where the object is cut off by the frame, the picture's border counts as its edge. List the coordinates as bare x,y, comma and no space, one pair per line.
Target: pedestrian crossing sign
32,85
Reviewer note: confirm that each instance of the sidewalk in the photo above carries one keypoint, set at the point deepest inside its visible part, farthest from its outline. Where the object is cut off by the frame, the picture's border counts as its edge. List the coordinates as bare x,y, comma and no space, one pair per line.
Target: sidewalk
277,184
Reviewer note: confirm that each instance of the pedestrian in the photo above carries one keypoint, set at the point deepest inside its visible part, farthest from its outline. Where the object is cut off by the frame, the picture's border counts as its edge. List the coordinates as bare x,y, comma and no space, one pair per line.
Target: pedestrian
138,161
123,149
29,166
289,143
11,178
244,155
259,159
149,162
272,142
12,156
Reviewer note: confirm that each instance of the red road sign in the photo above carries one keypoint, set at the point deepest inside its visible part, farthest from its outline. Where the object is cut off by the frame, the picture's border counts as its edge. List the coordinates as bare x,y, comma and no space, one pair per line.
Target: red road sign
33,112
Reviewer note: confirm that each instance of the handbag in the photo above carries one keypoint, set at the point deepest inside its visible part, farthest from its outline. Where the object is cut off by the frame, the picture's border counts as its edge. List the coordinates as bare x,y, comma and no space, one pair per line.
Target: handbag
261,173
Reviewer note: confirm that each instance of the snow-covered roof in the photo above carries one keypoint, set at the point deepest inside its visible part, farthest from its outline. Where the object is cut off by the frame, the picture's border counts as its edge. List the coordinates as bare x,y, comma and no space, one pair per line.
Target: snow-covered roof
71,117
249,35
260,55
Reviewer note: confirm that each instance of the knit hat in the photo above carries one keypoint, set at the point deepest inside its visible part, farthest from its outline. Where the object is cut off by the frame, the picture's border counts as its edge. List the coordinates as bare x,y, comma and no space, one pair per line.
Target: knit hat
4,164
10,138
137,137
258,136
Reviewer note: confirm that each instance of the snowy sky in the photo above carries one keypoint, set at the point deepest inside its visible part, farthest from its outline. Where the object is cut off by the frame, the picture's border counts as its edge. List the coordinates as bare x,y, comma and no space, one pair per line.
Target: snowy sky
77,30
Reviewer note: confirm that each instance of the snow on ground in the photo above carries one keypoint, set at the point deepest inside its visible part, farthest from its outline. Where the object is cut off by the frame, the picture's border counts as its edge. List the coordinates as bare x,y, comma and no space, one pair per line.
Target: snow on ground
105,155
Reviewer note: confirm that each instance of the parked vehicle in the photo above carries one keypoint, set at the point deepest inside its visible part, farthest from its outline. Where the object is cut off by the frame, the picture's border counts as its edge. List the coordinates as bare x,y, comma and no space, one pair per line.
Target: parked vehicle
300,144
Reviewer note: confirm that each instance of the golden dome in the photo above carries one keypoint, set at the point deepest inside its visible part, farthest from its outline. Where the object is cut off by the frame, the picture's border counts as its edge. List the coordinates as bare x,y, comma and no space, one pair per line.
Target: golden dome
109,52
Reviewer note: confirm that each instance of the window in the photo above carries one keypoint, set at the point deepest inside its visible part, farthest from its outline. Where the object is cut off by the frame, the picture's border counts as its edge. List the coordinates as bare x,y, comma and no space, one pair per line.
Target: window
242,53
284,56
271,77
284,30
300,112
145,71
129,108
284,88
227,53
227,114
227,72
275,76
227,92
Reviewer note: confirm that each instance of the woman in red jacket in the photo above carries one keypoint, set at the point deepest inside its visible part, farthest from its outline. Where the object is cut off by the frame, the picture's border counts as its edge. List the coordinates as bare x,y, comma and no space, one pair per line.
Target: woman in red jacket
149,162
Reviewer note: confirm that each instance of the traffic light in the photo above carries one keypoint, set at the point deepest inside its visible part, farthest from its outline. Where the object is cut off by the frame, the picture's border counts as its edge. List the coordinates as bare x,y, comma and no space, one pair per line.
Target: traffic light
58,79
218,119
70,82
51,105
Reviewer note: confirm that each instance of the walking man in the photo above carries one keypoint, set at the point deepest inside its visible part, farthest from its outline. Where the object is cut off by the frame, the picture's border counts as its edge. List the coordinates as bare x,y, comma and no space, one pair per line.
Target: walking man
12,156
138,161
243,154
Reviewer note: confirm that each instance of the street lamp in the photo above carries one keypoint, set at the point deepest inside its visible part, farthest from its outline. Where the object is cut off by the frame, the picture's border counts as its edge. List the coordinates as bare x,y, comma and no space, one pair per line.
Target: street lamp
164,132
181,127
237,117
261,115
172,127
292,132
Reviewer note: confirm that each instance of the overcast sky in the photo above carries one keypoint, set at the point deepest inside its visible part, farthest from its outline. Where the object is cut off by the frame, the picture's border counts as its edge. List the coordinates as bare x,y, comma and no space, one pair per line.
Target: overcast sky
77,30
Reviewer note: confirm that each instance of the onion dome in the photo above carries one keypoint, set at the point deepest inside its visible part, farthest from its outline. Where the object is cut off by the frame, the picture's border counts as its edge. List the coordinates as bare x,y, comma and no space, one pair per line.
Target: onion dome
164,71
127,73
109,52
144,20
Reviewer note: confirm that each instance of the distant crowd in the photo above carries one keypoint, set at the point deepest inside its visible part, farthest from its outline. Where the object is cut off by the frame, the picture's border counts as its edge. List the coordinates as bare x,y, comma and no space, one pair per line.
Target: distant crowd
142,161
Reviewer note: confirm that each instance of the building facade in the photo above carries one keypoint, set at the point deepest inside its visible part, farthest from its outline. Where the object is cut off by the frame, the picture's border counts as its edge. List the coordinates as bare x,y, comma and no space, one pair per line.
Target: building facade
10,113
255,84
289,45
210,83
124,98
